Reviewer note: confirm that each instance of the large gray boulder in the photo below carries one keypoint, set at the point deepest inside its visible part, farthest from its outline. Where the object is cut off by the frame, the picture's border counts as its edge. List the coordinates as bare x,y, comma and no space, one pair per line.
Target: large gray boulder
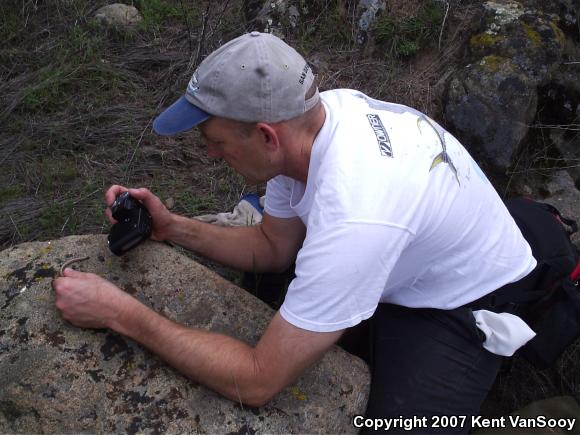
57,378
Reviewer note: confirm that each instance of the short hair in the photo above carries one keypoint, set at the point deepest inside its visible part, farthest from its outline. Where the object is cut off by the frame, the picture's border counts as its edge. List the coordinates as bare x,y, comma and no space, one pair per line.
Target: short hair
311,91
245,129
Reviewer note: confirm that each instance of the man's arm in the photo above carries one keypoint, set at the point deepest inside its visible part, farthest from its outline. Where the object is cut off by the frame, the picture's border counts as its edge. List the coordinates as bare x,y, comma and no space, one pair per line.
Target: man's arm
252,375
267,247
270,246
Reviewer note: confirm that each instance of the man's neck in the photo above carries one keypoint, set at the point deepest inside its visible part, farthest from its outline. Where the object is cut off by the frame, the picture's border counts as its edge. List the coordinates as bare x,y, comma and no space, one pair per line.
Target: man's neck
300,146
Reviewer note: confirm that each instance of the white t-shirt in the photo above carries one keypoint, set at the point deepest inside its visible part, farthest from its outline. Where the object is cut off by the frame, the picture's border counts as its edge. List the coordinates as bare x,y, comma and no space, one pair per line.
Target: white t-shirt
396,211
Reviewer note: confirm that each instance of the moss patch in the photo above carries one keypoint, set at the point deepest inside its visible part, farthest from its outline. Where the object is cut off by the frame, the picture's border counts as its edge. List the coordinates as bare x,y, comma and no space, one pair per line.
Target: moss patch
494,63
484,40
533,35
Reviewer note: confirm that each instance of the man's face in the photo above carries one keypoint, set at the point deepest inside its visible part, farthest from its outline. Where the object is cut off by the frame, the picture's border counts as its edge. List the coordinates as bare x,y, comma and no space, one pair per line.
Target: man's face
243,151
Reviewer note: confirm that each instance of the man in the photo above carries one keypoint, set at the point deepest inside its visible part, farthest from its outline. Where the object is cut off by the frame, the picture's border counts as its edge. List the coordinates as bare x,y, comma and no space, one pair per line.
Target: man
385,214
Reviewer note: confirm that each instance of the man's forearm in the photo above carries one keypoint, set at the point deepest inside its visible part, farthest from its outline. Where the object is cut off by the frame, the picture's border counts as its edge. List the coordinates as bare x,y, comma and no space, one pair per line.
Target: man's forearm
240,372
244,248
219,362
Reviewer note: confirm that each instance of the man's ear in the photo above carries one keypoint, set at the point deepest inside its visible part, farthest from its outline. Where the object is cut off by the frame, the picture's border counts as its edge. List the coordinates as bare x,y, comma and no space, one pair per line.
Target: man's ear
269,135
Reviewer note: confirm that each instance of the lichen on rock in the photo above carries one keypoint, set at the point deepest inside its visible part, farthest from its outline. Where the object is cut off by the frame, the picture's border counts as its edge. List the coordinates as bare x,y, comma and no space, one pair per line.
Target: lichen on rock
484,39
57,378
514,51
494,63
503,12
532,34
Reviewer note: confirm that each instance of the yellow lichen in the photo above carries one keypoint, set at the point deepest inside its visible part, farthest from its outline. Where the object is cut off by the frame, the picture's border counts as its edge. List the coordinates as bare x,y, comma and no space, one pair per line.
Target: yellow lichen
493,62
532,35
558,34
484,40
295,391
46,249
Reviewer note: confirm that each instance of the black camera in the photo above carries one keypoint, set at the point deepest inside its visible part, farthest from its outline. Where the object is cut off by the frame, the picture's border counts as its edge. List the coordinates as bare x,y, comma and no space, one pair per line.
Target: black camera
133,224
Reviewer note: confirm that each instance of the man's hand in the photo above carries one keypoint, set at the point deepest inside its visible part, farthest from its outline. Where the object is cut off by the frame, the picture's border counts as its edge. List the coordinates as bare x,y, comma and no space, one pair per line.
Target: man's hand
162,218
89,301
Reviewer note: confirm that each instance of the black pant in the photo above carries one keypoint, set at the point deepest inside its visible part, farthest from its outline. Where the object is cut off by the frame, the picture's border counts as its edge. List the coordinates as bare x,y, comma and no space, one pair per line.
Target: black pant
425,363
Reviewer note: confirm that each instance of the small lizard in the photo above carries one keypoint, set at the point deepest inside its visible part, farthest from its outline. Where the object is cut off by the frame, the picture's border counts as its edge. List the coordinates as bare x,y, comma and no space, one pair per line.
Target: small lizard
71,261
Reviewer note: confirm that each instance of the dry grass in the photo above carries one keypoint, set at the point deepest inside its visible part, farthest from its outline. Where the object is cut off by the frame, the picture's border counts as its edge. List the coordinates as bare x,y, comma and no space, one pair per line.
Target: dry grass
77,105
78,100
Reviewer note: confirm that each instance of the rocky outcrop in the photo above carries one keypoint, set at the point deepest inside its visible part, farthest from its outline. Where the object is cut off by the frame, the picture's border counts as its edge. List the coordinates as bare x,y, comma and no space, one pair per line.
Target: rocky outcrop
367,12
491,102
57,378
283,17
279,17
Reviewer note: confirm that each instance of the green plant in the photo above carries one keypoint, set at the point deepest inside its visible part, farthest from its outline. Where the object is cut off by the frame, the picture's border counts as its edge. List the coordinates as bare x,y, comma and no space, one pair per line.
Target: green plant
83,45
9,23
407,48
85,86
54,173
405,36
155,13
56,216
331,24
10,192
46,91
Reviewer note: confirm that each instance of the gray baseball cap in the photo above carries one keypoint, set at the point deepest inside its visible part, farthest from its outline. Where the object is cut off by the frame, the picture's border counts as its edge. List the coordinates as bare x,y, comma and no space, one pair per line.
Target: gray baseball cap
256,77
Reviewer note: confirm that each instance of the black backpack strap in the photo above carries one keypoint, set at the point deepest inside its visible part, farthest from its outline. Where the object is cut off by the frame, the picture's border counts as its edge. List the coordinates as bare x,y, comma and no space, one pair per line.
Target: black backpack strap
511,296
542,225
571,223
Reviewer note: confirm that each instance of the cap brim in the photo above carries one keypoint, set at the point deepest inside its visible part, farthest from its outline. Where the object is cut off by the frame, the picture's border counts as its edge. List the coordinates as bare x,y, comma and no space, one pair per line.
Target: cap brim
179,117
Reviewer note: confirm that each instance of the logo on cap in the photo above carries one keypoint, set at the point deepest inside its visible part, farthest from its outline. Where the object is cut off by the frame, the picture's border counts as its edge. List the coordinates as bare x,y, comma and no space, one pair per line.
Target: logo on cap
193,86
303,75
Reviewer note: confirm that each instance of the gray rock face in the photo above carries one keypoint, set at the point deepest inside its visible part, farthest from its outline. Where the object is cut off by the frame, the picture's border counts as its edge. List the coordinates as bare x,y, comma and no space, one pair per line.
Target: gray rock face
279,17
565,196
560,99
119,14
567,10
57,378
493,100
491,104
367,11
